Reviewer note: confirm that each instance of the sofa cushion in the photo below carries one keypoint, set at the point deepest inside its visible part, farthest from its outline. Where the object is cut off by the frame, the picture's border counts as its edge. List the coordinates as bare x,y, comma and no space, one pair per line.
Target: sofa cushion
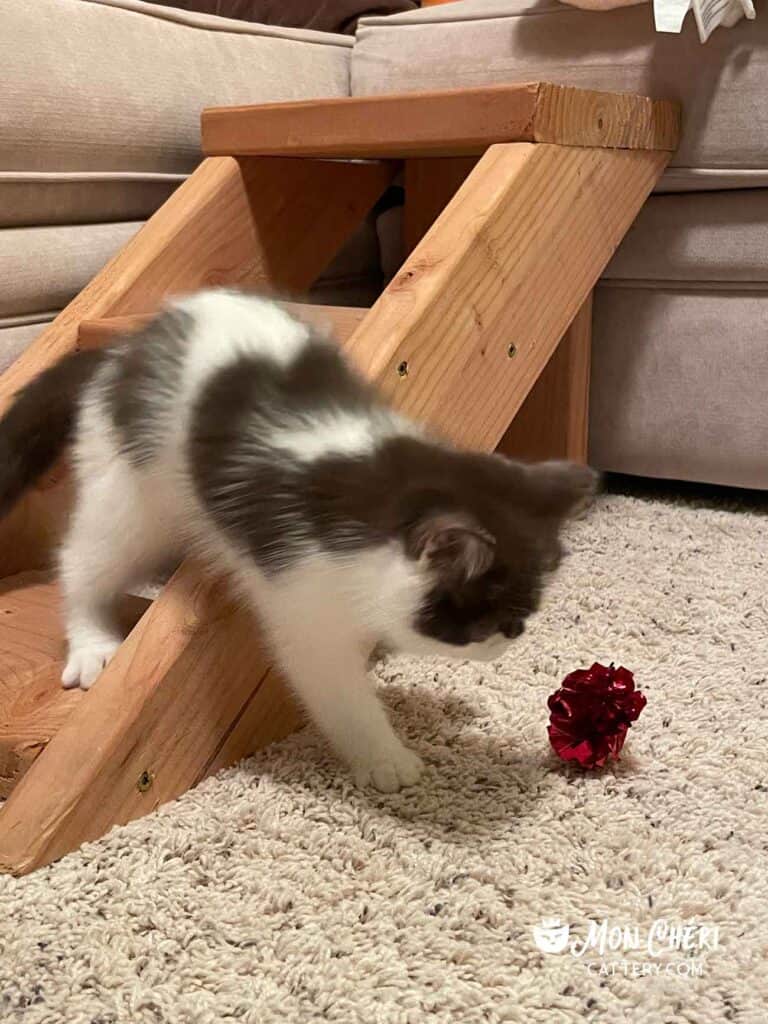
99,97
717,237
128,94
723,87
679,350
43,268
678,383
16,336
32,198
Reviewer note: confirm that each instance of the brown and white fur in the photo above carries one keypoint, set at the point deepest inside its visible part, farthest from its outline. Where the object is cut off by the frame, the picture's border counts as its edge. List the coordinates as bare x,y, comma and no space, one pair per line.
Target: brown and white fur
229,430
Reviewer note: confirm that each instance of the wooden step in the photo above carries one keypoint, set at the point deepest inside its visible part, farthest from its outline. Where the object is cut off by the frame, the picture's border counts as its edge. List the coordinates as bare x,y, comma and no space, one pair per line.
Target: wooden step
448,122
33,703
342,320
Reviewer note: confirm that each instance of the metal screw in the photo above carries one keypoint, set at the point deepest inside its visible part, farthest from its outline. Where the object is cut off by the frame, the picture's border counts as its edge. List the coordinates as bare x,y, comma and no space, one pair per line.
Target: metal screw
402,369
145,781
512,351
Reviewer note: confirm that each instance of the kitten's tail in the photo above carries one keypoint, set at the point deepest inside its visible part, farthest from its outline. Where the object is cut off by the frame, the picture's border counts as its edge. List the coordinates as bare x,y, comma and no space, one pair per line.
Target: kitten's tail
41,422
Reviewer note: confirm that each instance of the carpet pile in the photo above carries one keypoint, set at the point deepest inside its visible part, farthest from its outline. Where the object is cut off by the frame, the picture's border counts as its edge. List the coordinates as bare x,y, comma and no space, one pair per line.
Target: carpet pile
276,892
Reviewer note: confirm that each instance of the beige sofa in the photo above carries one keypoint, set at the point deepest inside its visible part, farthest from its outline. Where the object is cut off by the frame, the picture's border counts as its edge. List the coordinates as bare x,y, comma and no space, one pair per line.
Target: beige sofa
100,121
90,145
680,345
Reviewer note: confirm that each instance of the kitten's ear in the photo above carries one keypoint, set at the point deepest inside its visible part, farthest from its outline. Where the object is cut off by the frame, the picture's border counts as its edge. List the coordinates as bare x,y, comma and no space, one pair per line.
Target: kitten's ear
559,488
453,543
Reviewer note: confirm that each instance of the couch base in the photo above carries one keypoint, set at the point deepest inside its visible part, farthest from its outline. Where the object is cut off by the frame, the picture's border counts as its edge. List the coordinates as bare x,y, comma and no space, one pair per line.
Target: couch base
678,386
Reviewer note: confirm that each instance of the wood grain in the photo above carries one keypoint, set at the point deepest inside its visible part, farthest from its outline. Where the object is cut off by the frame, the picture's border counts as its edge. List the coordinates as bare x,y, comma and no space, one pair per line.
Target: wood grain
232,222
430,184
582,117
449,122
509,262
31,647
268,716
342,320
553,421
33,705
30,532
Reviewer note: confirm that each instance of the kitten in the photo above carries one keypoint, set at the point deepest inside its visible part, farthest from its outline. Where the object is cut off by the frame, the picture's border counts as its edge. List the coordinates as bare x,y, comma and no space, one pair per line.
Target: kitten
231,431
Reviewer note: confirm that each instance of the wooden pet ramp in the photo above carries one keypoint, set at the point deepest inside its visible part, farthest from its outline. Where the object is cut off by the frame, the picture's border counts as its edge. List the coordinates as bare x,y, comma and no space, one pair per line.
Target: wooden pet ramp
516,198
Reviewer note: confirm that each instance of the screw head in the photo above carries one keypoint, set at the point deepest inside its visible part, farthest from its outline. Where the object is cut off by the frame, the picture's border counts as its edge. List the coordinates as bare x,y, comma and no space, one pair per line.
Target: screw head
145,781
402,369
512,351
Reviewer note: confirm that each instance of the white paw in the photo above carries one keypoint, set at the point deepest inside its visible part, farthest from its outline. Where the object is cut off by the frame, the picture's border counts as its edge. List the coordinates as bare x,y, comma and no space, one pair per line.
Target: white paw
388,770
85,663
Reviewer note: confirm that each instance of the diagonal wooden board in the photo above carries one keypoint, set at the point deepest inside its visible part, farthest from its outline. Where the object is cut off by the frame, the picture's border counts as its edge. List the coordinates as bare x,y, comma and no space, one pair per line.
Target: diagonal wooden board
512,257
552,422
509,262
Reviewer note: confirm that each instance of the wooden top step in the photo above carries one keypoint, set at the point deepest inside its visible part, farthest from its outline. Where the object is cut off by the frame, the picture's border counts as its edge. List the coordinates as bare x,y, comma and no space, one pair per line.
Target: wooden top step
451,122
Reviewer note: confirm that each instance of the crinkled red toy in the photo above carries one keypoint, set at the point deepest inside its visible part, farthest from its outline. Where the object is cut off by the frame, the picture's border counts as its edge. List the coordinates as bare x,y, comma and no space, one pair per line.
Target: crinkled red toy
591,712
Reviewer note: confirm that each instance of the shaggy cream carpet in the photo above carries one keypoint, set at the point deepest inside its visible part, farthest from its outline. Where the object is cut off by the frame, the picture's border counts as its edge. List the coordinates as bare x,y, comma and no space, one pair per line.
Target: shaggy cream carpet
277,893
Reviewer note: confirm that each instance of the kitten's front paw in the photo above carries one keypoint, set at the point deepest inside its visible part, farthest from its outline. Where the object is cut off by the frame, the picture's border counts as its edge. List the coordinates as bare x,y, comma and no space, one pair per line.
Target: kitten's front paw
388,770
85,664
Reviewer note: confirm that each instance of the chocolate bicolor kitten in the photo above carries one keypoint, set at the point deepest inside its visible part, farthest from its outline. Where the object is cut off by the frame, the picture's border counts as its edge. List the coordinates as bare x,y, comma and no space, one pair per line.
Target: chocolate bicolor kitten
230,430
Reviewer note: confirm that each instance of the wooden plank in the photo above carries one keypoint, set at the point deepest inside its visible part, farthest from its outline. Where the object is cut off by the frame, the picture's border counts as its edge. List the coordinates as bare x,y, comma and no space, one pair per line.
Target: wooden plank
583,117
30,532
342,320
232,222
553,421
30,648
270,715
100,333
36,712
430,184
449,122
508,263
33,705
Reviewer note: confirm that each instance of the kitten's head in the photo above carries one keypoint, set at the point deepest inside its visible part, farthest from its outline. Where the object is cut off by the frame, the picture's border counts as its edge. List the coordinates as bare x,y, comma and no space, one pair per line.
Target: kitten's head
484,540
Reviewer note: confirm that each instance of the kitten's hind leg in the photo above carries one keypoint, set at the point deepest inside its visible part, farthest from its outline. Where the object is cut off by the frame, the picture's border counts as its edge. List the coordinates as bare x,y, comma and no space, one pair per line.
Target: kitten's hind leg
114,541
328,671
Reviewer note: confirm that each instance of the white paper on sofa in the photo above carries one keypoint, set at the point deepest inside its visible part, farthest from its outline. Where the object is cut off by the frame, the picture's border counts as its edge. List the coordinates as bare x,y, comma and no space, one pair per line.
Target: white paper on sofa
669,15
